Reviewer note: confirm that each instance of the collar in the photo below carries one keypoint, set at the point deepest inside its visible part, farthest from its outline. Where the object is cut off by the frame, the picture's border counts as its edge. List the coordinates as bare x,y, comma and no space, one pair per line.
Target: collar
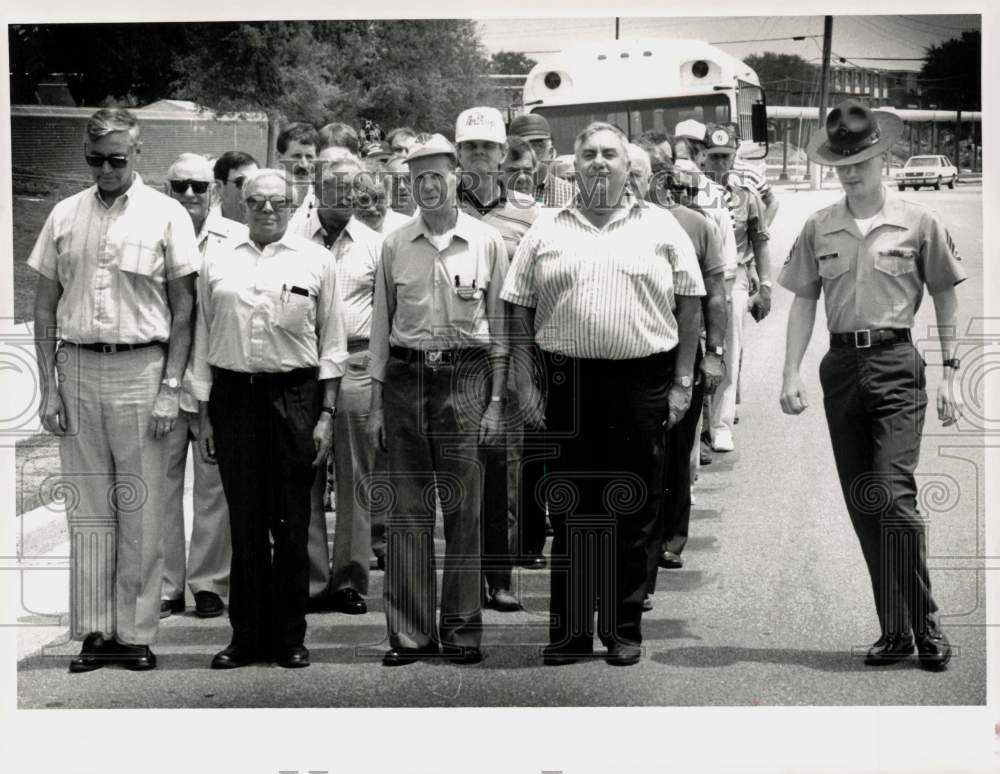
285,242
892,214
215,224
472,200
461,229
631,205
125,198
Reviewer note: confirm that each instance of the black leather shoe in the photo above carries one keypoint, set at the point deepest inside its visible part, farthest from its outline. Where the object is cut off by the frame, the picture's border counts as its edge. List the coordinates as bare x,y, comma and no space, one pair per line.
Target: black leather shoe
933,650
623,654
504,601
348,601
647,603
232,657
535,562
462,655
208,604
668,560
403,656
136,658
93,654
890,649
294,658
560,656
171,606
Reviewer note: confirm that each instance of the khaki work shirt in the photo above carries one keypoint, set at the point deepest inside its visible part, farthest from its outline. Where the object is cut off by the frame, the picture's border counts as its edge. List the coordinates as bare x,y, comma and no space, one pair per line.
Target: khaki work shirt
875,281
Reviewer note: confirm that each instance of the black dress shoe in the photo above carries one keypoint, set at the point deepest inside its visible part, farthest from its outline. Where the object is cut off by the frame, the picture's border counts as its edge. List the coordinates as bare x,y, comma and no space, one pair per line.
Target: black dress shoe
933,650
208,604
890,649
647,603
136,658
561,656
294,658
504,601
462,655
534,562
232,657
623,654
348,601
93,654
170,606
403,656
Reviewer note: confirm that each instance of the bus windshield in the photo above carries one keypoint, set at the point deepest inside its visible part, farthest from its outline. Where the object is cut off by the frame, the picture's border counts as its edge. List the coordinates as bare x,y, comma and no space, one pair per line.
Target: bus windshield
633,116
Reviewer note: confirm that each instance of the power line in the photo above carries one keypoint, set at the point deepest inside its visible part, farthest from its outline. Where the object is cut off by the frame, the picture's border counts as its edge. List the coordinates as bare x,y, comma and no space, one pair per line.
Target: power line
762,40
919,20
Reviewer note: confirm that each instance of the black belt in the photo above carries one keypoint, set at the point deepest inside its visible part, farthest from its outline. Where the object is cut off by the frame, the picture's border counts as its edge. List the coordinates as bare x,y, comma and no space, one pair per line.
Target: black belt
437,357
874,337
110,349
295,376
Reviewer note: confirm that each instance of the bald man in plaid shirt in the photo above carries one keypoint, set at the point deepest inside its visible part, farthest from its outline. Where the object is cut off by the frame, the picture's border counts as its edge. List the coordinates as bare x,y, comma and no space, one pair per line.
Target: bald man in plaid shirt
598,282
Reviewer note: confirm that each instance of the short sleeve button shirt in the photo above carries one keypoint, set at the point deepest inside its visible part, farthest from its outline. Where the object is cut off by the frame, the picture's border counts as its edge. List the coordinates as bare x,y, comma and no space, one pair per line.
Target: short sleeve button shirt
113,262
875,281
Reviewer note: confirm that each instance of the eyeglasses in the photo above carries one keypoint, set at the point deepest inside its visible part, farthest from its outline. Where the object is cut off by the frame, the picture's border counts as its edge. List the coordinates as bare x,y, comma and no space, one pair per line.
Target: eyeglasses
180,186
257,203
96,160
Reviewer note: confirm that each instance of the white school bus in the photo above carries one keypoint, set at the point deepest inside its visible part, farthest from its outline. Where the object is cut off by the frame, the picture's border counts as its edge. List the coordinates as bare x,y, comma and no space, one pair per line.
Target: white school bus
647,84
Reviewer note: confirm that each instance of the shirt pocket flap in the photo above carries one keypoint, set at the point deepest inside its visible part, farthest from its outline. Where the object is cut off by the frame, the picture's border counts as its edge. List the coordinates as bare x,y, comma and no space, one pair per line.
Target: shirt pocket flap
832,264
144,259
896,261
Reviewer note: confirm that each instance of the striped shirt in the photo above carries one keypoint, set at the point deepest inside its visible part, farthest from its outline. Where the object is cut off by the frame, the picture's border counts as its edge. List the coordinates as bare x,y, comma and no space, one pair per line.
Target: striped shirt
751,177
268,310
604,293
426,298
511,214
113,263
748,220
553,191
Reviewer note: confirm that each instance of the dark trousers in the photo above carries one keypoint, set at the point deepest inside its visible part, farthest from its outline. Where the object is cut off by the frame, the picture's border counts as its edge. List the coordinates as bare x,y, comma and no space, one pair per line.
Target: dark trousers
603,491
675,513
875,404
499,537
263,439
432,418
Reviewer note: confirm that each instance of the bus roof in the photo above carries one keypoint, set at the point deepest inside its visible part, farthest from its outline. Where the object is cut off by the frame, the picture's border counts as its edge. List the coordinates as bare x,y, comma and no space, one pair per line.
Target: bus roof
642,68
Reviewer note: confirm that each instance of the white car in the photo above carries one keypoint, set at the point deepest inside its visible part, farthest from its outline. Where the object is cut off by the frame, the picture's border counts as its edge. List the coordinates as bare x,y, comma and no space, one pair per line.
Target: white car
926,170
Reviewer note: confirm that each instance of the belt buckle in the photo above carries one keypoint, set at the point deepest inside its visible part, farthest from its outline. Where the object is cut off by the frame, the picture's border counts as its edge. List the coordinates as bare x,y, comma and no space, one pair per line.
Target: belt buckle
867,338
108,349
434,357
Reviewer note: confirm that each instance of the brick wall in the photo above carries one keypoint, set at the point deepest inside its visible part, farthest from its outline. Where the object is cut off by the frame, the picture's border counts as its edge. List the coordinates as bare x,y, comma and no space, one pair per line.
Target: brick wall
49,141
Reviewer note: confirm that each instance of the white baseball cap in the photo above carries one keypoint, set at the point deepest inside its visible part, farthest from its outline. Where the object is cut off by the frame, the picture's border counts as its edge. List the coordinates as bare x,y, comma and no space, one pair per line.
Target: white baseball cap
691,128
480,123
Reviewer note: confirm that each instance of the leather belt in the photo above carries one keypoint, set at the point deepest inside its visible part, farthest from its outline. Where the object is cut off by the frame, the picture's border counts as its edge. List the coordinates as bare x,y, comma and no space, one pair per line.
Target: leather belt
868,338
283,378
110,349
432,358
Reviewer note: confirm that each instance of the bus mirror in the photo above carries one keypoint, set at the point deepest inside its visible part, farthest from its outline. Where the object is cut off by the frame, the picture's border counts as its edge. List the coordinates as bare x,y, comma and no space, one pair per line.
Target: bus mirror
758,122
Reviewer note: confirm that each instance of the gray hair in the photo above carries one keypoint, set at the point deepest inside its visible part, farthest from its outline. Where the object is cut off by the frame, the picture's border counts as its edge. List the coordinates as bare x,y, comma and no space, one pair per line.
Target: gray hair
594,128
194,158
257,174
108,120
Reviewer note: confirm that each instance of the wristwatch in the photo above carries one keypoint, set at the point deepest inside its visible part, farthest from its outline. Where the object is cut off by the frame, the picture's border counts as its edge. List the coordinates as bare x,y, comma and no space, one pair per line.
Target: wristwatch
952,362
720,351
331,410
683,381
171,382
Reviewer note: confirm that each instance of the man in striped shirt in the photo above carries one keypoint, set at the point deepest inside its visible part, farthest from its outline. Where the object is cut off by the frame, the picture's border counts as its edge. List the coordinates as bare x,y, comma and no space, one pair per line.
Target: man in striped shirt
751,178
598,282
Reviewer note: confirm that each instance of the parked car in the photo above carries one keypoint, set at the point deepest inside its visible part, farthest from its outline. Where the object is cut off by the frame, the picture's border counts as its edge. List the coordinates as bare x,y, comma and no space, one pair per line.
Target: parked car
926,170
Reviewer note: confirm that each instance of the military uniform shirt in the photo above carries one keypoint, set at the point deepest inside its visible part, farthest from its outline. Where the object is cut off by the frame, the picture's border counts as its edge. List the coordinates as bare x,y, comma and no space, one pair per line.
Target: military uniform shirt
874,281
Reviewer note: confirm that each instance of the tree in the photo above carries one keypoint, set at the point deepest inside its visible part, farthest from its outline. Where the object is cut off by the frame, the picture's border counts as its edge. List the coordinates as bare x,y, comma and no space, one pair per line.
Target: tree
511,63
951,73
784,73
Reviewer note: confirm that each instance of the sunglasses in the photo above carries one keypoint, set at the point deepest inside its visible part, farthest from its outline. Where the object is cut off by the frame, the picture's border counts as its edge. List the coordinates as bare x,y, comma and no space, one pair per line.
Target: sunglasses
257,203
180,186
96,160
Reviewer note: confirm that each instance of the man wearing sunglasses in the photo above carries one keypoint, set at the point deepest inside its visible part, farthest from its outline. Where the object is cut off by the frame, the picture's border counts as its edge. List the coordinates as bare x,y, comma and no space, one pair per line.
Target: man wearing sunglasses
191,181
270,351
230,171
116,265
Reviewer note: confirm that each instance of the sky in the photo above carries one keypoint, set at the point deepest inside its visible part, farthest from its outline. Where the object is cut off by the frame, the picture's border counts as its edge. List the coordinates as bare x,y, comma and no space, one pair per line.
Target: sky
854,37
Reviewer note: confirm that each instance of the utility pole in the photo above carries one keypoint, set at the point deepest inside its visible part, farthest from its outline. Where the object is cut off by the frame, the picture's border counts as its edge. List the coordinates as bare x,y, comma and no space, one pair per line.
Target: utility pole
824,88
618,27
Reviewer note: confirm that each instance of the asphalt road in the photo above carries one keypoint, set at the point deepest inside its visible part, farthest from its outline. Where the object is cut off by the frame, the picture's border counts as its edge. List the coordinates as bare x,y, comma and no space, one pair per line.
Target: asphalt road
771,607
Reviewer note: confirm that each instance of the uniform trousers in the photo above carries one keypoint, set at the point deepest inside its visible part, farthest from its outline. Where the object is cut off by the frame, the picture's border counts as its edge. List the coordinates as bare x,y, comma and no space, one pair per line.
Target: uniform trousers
723,404
604,489
263,425
432,418
210,554
875,403
113,473
675,511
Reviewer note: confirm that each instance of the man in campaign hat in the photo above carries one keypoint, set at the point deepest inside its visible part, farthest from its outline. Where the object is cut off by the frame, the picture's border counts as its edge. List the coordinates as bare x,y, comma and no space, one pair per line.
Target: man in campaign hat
870,255
550,190
438,348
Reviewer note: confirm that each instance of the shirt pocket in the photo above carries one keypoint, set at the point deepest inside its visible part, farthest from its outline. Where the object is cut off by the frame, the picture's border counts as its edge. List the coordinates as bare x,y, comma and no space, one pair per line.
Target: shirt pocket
466,304
896,262
296,313
832,265
142,259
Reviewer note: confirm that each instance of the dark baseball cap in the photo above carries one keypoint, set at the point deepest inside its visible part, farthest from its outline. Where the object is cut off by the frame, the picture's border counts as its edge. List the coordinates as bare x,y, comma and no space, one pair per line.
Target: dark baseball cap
530,126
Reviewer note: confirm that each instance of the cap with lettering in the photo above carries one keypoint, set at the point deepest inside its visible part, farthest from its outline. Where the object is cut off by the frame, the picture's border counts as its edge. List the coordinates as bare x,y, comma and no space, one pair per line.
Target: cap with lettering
377,151
691,129
436,145
480,123
530,126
